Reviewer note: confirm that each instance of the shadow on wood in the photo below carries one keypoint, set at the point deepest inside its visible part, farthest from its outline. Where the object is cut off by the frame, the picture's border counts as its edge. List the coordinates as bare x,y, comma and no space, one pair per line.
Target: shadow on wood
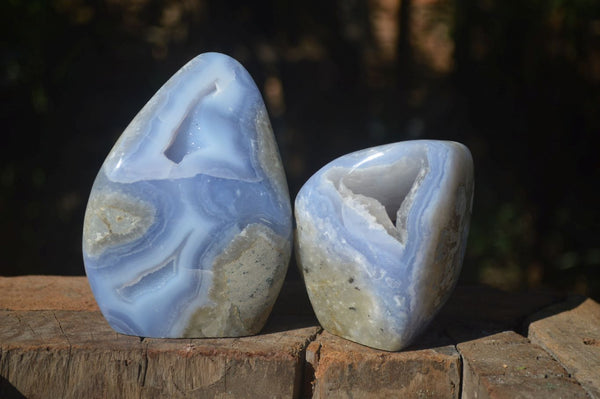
8,391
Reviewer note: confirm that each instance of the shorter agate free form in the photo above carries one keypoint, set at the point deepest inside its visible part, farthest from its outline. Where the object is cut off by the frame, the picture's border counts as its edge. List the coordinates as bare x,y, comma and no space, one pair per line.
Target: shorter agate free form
381,236
188,227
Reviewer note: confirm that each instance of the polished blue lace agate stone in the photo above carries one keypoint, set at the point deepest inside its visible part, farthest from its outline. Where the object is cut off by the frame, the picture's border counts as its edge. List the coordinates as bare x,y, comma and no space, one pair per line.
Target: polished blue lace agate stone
381,235
188,227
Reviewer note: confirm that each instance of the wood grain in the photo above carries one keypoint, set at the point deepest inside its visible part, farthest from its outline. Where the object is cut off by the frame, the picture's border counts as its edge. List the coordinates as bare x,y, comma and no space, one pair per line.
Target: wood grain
54,343
507,365
570,332
50,353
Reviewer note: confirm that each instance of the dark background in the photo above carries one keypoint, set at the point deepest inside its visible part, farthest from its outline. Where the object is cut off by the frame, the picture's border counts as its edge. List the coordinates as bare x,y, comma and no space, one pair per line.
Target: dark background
516,81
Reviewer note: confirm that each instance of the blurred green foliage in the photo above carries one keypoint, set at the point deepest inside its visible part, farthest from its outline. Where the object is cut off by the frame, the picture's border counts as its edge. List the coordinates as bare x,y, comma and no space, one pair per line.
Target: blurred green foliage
517,81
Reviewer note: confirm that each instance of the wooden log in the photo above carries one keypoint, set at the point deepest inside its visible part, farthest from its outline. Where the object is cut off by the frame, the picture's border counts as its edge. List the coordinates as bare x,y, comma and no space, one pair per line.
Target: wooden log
570,332
51,353
54,343
507,365
429,368
344,369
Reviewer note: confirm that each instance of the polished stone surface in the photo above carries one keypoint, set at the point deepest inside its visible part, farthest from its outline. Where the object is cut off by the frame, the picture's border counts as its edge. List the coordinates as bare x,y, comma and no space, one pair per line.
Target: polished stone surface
381,235
188,227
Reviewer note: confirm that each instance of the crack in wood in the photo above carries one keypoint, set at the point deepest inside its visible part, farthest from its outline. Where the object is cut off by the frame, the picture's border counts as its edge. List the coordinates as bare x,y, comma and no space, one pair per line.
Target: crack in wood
460,371
69,356
21,321
143,366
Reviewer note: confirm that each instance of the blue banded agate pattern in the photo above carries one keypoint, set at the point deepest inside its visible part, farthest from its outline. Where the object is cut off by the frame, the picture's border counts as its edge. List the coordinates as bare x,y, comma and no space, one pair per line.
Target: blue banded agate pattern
188,227
381,235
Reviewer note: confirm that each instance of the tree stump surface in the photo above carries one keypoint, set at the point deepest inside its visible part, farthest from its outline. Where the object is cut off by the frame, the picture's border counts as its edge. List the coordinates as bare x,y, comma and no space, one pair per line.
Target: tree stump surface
570,332
54,343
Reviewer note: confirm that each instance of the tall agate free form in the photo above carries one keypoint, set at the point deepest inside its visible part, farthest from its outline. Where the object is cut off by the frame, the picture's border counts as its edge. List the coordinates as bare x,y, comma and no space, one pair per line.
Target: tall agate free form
381,235
188,227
